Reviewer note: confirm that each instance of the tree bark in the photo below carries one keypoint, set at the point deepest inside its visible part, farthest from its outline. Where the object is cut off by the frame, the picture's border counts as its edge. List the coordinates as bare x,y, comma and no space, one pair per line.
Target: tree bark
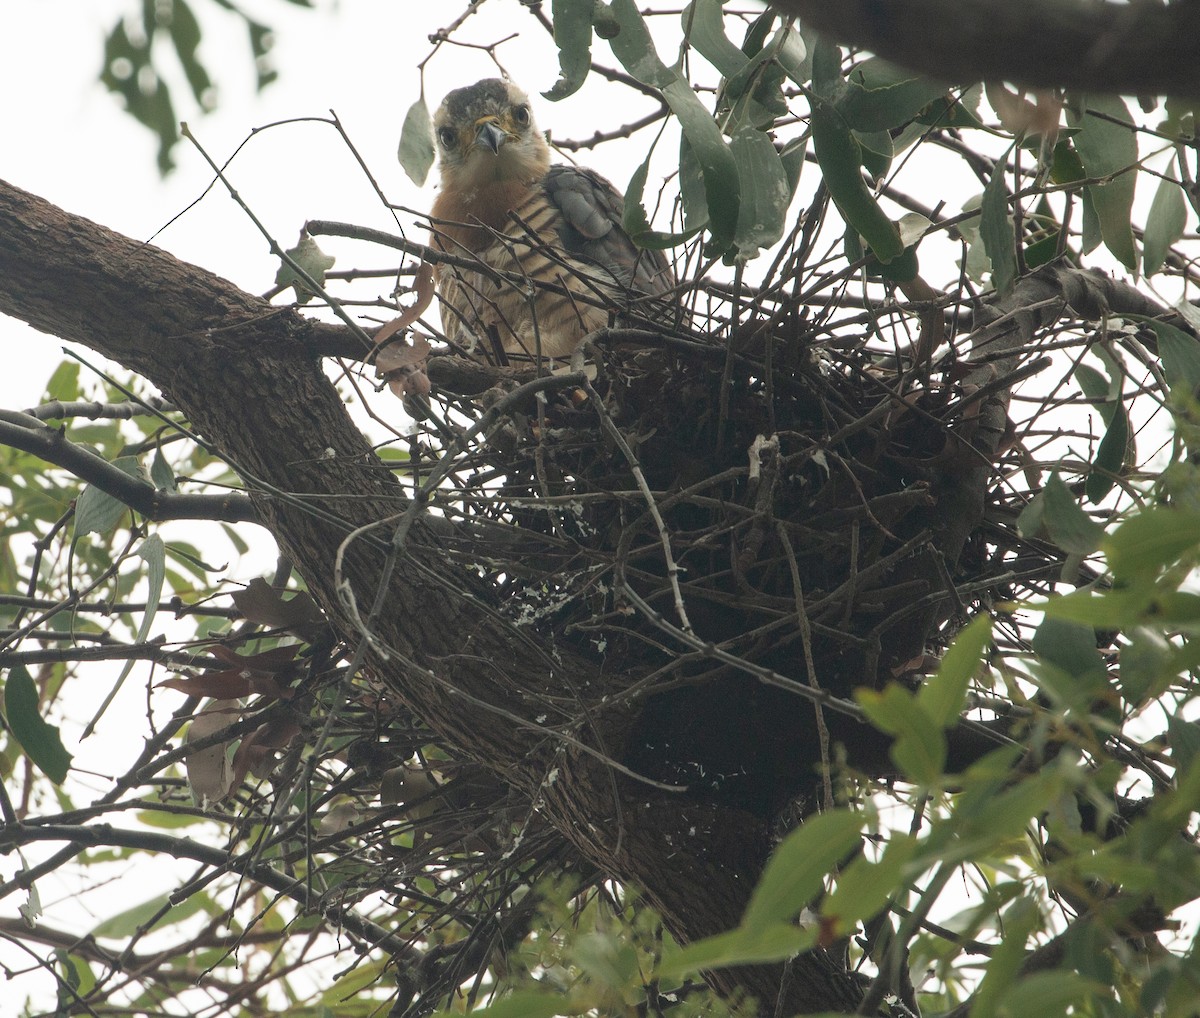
238,368
1138,48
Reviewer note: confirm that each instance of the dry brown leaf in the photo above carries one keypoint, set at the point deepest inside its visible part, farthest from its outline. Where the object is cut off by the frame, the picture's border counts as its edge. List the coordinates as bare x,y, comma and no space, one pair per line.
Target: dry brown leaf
264,604
258,749
1020,116
403,366
208,772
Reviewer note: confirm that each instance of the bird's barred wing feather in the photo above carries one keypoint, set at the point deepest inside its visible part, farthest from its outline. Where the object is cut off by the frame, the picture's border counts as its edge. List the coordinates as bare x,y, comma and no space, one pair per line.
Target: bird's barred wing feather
591,230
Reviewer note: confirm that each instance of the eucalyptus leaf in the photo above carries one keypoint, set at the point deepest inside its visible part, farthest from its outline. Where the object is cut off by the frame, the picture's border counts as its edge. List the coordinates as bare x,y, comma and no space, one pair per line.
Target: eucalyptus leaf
764,190
416,150
634,48
39,739
1180,355
573,37
1107,147
942,696
882,95
704,26
98,512
796,872
1165,222
996,229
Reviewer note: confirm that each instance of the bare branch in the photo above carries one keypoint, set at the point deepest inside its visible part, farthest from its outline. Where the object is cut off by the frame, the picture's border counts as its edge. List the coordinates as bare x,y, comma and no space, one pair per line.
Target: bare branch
1139,48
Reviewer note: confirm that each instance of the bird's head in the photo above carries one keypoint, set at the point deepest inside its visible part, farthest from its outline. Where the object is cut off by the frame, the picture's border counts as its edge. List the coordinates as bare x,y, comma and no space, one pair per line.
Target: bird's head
485,133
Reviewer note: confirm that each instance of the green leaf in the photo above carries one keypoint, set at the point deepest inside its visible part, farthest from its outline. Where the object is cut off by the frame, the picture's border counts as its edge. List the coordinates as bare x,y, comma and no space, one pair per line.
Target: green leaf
1110,609
796,872
1070,646
1180,355
1069,526
882,95
1184,740
1107,147
522,1004
721,179
368,974
691,187
40,740
960,112
996,228
311,260
920,746
1020,920
1065,165
941,697
64,382
416,142
185,35
876,150
1151,540
77,974
1147,668
1165,222
262,39
129,72
989,814
125,924
1116,446
840,157
912,227
865,887
153,553
161,473
606,959
99,512
1049,994
764,191
634,48
636,223
704,26
744,946
573,37
1111,455
793,55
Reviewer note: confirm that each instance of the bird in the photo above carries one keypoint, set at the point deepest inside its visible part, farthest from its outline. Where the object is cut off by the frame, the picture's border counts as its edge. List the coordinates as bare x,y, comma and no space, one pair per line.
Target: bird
503,205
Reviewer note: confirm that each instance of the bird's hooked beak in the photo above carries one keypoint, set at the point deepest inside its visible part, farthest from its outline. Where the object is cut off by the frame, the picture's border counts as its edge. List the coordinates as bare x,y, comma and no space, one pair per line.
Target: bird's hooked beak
490,135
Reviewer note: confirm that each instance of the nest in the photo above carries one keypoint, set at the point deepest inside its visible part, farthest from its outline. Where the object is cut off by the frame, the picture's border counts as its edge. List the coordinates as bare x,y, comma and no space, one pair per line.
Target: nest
718,514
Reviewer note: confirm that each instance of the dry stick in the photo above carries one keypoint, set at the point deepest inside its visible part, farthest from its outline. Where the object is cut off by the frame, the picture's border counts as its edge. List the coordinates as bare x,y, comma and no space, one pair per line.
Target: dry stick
889,969
806,643
485,424
276,250
635,468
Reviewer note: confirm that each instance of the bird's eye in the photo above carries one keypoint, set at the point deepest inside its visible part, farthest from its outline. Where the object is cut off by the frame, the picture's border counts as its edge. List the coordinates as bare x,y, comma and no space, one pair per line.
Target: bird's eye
521,115
447,136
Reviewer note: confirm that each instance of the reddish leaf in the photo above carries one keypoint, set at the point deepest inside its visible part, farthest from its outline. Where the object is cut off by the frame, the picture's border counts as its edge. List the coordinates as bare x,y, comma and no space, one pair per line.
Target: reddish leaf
257,751
264,604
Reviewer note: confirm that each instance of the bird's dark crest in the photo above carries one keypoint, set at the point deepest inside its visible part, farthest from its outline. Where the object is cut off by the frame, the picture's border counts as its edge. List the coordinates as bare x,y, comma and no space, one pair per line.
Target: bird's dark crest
460,103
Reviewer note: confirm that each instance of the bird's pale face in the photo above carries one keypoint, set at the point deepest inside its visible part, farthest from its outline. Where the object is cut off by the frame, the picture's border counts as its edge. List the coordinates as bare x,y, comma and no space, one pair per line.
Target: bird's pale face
485,134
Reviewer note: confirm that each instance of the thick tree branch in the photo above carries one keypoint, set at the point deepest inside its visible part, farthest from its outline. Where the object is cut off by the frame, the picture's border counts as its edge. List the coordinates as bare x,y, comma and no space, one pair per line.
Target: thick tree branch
1138,48
26,433
239,369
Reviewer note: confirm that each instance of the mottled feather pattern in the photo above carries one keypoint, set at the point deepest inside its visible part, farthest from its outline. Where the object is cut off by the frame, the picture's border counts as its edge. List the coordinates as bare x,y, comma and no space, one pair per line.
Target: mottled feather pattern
503,204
